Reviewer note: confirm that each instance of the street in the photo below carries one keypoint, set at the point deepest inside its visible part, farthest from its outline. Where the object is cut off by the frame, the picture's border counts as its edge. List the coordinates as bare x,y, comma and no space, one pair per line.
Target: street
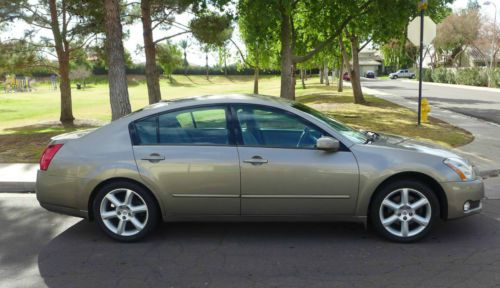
42,249
479,103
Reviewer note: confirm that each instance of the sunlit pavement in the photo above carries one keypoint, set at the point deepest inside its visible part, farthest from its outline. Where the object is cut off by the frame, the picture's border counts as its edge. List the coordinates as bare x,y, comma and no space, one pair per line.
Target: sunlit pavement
475,109
42,249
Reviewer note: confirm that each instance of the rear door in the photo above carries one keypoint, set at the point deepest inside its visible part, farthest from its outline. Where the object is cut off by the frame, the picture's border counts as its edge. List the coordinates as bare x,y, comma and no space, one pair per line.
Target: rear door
281,171
190,157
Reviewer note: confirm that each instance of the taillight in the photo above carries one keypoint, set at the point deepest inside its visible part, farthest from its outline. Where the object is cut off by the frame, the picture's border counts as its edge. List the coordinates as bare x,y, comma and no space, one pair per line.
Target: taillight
48,154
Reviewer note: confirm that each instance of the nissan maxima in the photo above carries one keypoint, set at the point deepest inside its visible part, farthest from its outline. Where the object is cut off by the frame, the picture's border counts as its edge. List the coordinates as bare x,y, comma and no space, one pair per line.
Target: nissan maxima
251,158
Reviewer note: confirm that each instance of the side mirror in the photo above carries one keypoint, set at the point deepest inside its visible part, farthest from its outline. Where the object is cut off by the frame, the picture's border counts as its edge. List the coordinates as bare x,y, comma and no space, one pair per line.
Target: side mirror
327,144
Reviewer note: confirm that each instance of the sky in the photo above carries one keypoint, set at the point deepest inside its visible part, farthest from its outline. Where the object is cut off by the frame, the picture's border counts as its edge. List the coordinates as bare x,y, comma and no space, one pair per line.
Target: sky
194,54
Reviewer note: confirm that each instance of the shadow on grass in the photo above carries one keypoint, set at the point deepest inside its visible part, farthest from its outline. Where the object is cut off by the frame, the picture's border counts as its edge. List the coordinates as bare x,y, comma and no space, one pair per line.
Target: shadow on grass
174,83
54,127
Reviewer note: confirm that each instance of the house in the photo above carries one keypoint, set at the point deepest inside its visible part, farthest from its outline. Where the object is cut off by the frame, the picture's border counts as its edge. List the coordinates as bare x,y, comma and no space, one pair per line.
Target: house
370,60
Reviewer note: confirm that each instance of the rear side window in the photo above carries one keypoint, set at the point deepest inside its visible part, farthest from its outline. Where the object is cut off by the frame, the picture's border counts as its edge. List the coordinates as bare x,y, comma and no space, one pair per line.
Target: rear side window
197,126
146,130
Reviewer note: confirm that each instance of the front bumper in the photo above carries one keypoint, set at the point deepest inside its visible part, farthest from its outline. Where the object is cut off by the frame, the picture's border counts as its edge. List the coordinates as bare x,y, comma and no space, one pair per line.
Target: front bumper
458,193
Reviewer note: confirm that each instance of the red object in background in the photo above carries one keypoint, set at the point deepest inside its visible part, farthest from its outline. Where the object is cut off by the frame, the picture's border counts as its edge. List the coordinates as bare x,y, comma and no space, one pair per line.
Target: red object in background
346,77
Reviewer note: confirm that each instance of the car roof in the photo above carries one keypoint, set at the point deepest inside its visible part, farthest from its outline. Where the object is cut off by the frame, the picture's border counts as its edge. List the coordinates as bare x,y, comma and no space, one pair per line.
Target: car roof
210,99
229,98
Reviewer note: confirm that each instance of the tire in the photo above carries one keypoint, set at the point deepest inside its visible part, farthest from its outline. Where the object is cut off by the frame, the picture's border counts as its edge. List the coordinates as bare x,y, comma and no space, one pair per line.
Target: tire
412,77
125,211
408,222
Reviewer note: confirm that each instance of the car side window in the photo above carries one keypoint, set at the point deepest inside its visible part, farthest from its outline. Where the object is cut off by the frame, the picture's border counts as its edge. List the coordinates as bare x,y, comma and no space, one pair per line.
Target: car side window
261,126
196,126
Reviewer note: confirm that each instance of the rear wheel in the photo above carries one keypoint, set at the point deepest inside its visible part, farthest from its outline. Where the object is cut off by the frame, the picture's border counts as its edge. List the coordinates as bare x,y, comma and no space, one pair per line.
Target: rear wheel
125,211
404,211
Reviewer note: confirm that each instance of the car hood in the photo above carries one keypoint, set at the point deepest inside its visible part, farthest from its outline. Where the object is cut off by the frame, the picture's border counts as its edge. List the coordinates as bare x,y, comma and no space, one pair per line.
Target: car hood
409,144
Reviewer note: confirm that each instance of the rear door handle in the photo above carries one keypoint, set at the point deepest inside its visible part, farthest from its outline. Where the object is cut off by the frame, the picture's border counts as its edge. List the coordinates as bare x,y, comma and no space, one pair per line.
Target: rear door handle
154,157
256,160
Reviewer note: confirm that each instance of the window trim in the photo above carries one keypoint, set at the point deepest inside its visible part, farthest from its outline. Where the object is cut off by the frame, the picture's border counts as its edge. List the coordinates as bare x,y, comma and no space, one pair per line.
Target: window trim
231,137
301,119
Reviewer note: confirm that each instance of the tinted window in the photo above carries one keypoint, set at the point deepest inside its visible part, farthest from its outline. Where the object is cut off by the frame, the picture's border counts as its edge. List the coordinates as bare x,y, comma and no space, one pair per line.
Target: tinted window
198,126
146,130
273,128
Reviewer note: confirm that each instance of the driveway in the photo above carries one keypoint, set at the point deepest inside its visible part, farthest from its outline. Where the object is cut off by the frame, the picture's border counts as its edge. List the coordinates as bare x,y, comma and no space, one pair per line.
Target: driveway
42,249
479,103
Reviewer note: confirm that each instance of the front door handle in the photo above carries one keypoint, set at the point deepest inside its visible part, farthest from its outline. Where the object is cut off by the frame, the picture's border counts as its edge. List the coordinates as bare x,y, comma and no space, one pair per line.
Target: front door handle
256,160
154,157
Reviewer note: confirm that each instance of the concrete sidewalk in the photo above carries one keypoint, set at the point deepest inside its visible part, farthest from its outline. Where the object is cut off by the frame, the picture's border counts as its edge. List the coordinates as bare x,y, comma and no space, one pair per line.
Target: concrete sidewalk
484,151
16,177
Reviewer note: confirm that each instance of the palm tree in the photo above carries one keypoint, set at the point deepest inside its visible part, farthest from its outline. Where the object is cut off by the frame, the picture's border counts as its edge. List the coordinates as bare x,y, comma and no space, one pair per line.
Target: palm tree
184,45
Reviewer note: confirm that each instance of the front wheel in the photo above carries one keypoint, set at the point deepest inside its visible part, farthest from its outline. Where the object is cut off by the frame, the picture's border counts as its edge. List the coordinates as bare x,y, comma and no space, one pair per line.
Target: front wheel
125,211
404,211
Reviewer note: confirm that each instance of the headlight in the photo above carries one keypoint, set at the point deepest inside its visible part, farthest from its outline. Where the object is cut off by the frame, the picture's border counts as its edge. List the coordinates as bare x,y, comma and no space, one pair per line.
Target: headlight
463,169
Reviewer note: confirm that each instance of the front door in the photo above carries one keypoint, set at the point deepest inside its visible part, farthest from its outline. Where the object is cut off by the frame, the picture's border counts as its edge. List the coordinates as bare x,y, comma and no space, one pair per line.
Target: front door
283,174
189,157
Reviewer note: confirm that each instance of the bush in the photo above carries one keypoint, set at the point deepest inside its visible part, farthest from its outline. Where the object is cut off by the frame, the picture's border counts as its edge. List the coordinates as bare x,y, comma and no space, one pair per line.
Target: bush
450,77
439,75
472,76
426,75
496,77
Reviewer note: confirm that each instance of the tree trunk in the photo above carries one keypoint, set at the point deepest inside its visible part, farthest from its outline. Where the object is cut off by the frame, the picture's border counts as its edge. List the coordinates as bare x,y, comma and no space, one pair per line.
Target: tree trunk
321,76
152,74
302,78
63,54
256,81
225,65
325,74
355,77
287,77
185,63
340,87
118,88
66,116
206,65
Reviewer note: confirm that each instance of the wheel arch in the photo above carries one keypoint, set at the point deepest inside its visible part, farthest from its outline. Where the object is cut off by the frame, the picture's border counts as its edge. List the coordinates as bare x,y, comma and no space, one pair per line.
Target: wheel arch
103,183
424,178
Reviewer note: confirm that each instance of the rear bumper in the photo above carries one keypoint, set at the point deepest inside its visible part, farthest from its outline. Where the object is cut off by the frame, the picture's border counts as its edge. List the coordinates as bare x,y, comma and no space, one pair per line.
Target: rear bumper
458,193
65,210
59,194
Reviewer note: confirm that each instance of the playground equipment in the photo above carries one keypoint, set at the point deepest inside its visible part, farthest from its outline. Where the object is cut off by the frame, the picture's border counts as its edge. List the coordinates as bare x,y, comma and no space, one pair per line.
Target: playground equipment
17,83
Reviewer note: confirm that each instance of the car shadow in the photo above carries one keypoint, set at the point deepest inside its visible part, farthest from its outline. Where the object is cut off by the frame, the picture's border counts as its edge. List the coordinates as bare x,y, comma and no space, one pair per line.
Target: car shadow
261,255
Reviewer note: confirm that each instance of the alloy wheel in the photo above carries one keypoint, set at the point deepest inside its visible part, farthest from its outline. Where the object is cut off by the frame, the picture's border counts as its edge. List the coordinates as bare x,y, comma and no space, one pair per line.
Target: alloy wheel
405,212
124,212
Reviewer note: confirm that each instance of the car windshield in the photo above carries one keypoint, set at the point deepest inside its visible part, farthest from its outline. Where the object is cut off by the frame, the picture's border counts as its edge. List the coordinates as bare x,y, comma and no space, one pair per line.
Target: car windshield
350,133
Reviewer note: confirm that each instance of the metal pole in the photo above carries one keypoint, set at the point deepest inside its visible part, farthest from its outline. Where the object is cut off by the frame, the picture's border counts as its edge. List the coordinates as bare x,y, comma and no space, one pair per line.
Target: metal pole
422,13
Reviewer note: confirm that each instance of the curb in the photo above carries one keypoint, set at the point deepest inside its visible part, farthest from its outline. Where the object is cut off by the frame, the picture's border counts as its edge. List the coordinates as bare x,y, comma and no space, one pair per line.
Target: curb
17,187
477,88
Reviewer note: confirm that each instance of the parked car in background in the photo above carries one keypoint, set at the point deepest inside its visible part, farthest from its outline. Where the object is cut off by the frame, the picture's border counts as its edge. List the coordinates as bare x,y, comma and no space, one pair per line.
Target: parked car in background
403,73
251,158
370,74
346,76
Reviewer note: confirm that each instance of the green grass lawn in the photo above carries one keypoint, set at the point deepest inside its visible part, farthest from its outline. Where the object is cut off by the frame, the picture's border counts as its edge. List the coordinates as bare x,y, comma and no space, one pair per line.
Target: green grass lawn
28,120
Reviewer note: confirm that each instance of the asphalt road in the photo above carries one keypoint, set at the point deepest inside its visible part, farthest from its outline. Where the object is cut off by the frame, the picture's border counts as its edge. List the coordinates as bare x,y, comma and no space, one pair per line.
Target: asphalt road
42,249
479,103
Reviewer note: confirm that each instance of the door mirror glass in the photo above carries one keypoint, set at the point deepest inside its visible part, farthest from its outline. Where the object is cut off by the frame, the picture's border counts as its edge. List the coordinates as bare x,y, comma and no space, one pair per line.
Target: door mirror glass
327,144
